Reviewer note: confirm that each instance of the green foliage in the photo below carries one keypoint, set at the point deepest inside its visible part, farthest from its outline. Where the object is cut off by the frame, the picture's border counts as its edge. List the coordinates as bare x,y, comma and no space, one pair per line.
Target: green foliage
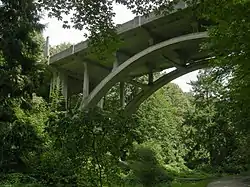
22,137
228,43
55,169
95,17
16,179
18,48
147,169
161,117
207,129
20,75
57,101
213,138
87,148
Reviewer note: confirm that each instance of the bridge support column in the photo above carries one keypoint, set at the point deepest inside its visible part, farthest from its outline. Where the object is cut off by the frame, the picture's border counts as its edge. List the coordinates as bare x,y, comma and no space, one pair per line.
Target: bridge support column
47,50
64,87
122,84
115,63
150,78
122,94
85,82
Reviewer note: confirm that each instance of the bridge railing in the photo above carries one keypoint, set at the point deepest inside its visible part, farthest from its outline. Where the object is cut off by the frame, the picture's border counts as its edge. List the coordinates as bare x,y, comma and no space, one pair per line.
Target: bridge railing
141,20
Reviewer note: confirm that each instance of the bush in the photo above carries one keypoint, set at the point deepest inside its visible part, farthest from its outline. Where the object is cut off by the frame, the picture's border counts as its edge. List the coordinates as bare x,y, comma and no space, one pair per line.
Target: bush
55,169
16,179
147,170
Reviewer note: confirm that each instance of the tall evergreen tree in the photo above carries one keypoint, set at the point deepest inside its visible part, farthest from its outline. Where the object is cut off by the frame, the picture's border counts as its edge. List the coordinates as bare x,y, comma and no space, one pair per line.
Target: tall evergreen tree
20,76
213,138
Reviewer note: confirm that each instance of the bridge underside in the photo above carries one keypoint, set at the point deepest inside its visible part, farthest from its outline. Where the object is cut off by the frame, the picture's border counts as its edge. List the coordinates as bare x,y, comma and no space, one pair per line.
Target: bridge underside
148,47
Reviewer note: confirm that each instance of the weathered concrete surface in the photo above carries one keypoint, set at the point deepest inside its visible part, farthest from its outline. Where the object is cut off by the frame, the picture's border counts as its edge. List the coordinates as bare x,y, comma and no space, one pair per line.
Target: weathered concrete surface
231,182
123,71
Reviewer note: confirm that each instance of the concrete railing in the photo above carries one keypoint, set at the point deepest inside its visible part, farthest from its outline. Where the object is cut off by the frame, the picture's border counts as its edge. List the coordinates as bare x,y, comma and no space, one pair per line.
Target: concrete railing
132,24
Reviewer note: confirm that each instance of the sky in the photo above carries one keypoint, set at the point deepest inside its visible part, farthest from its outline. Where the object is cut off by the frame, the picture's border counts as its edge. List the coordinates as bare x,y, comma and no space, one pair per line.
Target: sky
59,35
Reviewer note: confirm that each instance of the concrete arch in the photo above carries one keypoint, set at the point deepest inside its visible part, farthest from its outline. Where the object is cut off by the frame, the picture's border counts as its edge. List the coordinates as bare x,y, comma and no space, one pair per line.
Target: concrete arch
122,70
134,104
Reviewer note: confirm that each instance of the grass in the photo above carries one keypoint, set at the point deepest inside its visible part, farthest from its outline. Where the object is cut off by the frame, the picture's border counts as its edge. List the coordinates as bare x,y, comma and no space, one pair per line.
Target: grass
191,184
175,184
203,183
21,185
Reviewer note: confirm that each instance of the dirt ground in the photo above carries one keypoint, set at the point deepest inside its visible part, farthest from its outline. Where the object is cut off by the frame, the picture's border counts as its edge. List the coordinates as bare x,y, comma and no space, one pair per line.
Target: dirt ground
231,182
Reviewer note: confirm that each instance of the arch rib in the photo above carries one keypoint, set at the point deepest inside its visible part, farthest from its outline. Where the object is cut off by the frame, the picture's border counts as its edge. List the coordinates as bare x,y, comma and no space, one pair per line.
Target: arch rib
133,105
103,87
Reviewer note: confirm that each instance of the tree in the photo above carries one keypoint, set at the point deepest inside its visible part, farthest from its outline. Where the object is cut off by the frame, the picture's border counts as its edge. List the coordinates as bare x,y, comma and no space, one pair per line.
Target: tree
21,72
22,138
91,144
147,169
213,138
19,50
162,116
59,48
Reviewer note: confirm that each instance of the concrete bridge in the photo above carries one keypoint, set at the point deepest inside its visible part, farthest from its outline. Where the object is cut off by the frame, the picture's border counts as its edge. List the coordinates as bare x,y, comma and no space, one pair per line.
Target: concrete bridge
149,44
